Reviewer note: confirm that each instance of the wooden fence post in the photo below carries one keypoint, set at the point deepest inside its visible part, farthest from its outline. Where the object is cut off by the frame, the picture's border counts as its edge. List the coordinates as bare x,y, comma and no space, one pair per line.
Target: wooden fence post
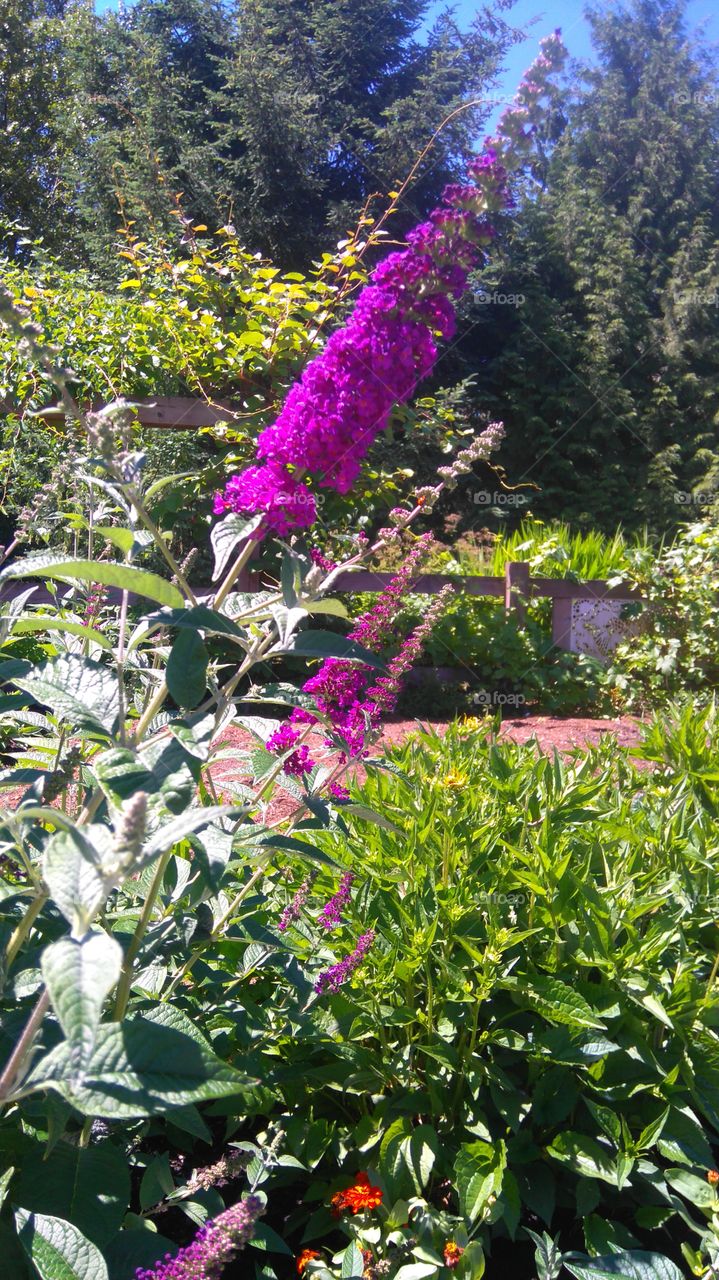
562,621
516,589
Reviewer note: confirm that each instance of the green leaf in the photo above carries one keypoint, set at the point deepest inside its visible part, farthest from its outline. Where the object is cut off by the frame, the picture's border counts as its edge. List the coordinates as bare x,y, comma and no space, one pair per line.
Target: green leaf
168,1015
134,1248
70,871
479,1171
213,848
57,1249
80,976
198,618
325,644
157,1182
584,1156
187,823
289,843
48,564
269,1241
559,1003
120,773
371,815
88,1186
123,539
416,1271
225,536
44,622
683,1140
186,671
695,1189
78,690
631,1265
352,1261
333,607
420,1153
5,1179
138,1068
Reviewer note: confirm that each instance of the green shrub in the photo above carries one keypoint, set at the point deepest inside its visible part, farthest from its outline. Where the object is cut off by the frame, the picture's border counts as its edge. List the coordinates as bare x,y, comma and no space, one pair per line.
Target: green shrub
531,1049
677,650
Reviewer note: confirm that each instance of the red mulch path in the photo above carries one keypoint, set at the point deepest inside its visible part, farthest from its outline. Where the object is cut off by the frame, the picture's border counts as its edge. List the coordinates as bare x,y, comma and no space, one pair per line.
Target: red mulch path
565,734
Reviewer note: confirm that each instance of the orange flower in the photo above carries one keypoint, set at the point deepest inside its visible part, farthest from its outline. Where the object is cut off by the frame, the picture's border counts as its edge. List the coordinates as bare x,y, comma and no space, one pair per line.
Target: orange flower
713,1177
355,1199
452,1254
305,1258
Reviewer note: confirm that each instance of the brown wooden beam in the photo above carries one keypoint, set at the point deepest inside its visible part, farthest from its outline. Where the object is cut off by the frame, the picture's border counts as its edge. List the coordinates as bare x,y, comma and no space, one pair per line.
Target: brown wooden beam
173,413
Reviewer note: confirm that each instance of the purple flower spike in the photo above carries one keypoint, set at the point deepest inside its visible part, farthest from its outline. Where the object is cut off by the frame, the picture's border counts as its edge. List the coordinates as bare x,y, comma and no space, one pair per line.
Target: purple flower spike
332,979
345,395
331,914
212,1248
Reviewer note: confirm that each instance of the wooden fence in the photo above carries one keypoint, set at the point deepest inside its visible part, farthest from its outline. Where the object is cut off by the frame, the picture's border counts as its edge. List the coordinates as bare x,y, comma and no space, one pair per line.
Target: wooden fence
516,588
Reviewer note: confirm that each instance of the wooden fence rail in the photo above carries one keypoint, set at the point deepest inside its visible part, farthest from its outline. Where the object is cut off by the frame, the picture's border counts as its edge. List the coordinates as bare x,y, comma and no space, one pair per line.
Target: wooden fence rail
516,588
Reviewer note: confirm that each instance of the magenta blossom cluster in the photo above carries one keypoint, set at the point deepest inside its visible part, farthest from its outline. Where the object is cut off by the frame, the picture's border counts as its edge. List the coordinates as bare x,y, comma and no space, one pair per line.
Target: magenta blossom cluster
285,501
212,1248
299,760
338,791
331,914
332,979
345,395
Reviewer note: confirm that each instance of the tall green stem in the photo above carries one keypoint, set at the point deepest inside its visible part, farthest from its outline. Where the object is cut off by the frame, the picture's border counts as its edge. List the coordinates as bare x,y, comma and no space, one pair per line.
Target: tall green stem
123,986
23,1046
19,934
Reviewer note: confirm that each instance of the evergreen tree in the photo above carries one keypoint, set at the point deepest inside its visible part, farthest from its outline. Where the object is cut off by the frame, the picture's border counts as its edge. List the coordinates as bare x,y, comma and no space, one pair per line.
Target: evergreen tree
327,101
29,74
608,376
279,115
134,120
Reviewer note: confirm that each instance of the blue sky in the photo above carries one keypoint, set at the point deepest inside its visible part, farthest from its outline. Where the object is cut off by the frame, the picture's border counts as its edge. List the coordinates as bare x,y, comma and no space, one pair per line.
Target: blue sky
546,16
569,16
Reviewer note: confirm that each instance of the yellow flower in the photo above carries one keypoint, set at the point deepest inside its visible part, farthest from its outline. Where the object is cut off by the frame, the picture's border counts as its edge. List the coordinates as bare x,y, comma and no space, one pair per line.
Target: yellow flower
470,724
455,780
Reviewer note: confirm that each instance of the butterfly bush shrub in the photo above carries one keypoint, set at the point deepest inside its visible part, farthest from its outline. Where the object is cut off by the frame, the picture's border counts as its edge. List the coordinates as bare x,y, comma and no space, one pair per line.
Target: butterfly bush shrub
144,808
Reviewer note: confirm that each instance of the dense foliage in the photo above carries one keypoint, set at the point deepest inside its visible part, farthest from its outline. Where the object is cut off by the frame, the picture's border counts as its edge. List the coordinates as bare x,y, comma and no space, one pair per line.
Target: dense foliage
606,374
264,990
280,117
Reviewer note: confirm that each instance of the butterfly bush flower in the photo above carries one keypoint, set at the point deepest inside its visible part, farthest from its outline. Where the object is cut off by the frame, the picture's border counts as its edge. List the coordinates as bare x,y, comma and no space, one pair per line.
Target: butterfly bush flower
331,914
299,761
293,910
346,394
338,791
212,1248
333,978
